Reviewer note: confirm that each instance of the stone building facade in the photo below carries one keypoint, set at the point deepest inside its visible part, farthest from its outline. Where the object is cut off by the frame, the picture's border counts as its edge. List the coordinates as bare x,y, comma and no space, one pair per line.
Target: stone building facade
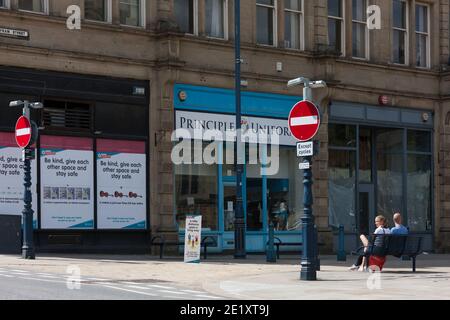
155,50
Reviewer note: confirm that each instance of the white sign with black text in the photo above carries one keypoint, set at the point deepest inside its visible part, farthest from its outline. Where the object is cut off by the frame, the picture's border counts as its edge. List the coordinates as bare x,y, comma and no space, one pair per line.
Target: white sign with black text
305,149
192,239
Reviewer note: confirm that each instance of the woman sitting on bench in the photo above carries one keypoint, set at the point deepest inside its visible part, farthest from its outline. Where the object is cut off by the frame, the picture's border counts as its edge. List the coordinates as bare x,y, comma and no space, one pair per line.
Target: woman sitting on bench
380,222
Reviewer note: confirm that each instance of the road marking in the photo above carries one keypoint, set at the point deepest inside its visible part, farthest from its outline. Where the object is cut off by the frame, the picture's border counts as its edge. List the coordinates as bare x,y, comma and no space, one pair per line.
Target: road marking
206,296
174,292
193,291
51,277
45,280
177,298
128,290
6,275
133,283
139,287
21,271
96,279
162,287
44,274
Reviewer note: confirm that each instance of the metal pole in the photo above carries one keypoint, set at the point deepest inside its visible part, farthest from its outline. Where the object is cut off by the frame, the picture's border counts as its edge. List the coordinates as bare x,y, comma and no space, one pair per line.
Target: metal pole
239,224
27,247
270,255
308,264
341,256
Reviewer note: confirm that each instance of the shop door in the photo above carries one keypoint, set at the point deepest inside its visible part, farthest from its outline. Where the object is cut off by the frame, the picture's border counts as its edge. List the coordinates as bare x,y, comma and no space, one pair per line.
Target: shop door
366,214
229,205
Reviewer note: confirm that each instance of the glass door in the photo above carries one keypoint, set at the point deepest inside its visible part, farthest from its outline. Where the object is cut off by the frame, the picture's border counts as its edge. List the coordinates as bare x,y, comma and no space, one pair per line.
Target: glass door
229,205
366,214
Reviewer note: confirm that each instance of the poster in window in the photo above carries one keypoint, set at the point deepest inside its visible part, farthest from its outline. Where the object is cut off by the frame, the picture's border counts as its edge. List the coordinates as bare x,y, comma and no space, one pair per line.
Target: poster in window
67,180
11,177
121,184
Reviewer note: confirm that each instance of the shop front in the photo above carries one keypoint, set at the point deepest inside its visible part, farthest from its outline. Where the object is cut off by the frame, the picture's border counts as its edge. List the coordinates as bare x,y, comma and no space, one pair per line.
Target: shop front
90,175
272,184
380,162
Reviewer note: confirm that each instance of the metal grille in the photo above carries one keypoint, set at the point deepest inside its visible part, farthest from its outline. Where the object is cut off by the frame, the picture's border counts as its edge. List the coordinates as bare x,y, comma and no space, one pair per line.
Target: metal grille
70,115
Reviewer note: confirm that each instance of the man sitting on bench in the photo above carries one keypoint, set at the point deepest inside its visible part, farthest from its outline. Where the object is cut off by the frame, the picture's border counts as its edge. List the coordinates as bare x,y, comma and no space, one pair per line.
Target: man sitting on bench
399,228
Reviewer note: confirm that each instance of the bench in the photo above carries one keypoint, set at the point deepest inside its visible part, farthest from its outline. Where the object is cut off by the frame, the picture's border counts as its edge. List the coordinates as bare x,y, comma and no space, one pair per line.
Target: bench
162,243
394,245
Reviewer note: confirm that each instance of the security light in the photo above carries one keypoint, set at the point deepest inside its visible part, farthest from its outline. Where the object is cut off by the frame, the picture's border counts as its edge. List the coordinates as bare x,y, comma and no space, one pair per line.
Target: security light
318,84
17,103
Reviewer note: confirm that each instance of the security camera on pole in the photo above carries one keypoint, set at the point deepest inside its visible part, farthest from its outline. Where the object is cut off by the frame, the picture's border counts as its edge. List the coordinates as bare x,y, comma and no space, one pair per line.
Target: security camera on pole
26,133
304,122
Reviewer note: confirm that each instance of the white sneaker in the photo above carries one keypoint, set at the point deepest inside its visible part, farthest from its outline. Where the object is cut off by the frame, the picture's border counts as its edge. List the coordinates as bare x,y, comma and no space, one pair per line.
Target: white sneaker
353,268
363,269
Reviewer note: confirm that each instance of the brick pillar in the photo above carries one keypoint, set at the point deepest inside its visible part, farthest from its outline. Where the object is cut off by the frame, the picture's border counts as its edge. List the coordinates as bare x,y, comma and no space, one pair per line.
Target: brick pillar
444,33
164,184
320,172
442,214
320,25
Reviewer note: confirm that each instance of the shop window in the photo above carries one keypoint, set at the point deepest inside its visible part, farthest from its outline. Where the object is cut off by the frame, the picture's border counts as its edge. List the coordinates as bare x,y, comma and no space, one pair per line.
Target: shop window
40,6
419,141
97,10
216,16
336,26
266,22
67,115
360,41
389,183
109,119
196,193
390,140
255,214
341,188
419,192
132,12
186,15
400,32
341,135
285,193
293,24
365,155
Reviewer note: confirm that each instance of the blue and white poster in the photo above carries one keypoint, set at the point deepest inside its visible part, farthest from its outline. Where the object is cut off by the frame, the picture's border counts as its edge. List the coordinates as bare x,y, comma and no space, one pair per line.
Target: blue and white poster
121,184
67,180
11,178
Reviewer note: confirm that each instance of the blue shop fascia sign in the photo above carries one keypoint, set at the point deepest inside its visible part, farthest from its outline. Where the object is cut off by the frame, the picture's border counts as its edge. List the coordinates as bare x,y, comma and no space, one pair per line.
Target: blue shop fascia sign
214,108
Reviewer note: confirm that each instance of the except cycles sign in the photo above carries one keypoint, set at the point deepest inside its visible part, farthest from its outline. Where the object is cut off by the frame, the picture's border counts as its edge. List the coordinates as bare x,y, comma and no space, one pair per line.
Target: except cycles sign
304,120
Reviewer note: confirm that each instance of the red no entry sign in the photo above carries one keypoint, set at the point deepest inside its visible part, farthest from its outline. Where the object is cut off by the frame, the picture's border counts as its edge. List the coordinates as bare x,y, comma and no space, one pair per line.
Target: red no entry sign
304,120
23,132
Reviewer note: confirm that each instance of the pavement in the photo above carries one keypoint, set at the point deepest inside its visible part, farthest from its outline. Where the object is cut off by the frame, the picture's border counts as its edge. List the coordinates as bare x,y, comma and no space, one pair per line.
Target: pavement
222,277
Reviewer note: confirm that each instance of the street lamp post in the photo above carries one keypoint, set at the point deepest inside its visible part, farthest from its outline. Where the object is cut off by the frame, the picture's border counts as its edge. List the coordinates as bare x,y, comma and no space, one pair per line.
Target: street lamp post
28,251
239,223
309,256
